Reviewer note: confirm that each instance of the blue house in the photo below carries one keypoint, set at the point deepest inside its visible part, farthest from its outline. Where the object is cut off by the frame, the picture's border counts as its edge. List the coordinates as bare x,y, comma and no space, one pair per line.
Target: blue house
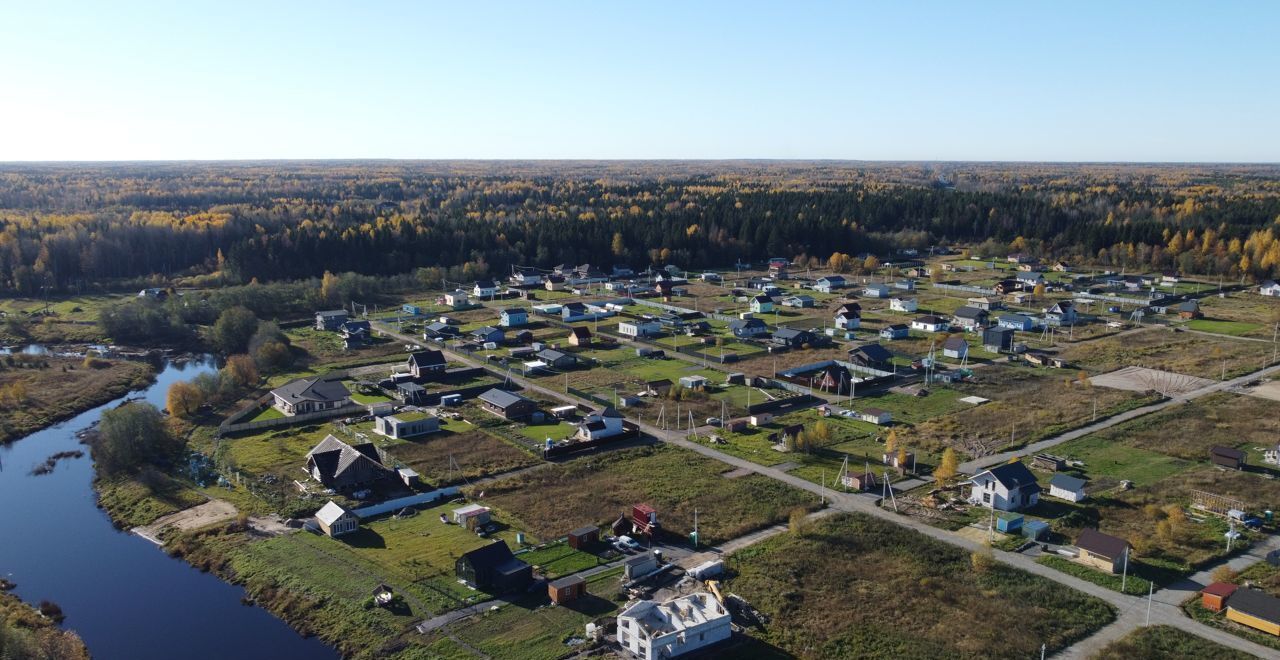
488,334
1016,322
411,309
748,328
829,284
514,317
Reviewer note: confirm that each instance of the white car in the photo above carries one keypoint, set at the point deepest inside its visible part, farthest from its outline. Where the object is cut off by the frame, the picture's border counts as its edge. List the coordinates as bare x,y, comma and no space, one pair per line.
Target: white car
626,544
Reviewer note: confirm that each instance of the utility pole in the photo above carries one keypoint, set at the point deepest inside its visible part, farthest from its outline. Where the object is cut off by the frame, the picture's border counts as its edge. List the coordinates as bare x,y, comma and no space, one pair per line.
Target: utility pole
1151,589
1124,578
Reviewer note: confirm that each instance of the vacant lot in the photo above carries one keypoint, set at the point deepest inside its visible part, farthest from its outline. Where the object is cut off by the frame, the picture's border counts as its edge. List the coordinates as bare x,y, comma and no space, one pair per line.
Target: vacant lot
1026,405
1158,348
1160,642
42,390
1188,431
1142,379
596,490
449,458
903,596
1242,313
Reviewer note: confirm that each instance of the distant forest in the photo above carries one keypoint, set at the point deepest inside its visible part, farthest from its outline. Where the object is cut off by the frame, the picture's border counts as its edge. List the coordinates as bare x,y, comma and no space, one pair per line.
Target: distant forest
67,227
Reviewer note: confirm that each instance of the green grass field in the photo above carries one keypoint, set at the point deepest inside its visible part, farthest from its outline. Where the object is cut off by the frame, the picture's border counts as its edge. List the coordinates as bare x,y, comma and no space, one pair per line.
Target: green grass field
1235,328
1104,457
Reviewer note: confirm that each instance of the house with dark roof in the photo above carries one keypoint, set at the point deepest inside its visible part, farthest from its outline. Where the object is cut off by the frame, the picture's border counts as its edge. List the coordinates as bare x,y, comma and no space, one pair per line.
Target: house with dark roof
971,318
1270,288
875,291
494,569
955,347
484,289
658,387
604,423
556,359
307,395
579,336
793,337
895,331
746,328
1061,313
930,323
1227,457
339,465
410,392
761,304
1256,609
829,284
513,317
874,356
440,329
1029,280
997,339
1066,487
331,319
1189,309
1102,551
1008,487
357,332
424,363
507,405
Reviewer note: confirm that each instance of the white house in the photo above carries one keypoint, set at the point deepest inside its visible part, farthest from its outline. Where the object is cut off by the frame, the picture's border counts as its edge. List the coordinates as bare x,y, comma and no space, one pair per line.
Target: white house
1009,487
652,630
956,348
639,328
1062,313
829,284
848,321
761,304
1270,288
930,324
457,298
334,520
513,317
484,289
601,424
904,304
1067,487
406,425
875,416
526,278
876,291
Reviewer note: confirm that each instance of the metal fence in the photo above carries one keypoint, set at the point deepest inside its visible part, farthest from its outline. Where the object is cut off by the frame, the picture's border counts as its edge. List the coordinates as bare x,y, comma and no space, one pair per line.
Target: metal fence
966,288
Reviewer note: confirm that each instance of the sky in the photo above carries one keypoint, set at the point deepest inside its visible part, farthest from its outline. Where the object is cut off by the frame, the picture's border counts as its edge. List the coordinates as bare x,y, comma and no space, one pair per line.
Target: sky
909,80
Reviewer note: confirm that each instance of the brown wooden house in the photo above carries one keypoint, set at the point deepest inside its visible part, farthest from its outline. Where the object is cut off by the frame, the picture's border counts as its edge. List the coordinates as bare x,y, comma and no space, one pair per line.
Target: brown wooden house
567,589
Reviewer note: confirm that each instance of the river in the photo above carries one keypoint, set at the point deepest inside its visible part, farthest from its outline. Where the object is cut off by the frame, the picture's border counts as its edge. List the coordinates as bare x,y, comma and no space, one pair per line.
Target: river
126,598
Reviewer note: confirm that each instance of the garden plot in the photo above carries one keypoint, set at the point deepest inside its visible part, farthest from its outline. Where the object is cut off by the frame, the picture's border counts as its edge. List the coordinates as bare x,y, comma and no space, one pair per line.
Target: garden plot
1142,379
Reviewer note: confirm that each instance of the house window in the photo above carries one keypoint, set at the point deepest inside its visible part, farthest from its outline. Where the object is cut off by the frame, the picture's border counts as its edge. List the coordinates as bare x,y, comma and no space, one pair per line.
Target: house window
986,498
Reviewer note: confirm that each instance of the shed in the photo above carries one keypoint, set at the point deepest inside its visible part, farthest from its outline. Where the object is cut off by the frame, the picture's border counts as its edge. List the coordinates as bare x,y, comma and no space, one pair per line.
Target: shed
494,569
1009,523
336,520
1227,457
639,566
471,515
1066,487
584,537
1102,550
1214,597
567,589
1036,530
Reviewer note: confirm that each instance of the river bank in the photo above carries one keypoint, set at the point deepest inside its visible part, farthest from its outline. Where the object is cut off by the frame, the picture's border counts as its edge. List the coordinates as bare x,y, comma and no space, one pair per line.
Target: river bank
37,391
27,633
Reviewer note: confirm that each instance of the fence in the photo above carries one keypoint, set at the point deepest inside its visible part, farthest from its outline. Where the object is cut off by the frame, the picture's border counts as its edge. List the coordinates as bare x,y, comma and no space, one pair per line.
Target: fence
784,405
966,288
587,395
293,420
402,502
631,432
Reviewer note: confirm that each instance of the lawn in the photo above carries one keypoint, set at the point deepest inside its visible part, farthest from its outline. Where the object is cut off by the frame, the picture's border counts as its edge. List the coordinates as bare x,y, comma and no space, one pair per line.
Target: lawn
1235,328
1162,642
540,432
1103,457
1245,308
1133,584
595,490
892,592
268,413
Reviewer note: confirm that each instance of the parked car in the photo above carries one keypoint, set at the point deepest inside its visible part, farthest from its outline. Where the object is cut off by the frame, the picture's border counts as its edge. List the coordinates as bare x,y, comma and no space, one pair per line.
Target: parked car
626,544
714,421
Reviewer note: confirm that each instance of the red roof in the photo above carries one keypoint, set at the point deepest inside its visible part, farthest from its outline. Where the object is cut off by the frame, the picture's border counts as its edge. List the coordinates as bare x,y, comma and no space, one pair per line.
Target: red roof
1220,589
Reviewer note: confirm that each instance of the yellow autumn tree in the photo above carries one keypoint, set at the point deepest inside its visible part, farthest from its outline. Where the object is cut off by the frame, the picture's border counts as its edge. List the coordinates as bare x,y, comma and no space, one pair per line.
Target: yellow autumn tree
183,399
948,467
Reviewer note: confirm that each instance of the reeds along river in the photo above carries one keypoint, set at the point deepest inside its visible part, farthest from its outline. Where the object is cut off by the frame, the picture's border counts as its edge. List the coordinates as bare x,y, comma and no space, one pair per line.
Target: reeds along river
126,598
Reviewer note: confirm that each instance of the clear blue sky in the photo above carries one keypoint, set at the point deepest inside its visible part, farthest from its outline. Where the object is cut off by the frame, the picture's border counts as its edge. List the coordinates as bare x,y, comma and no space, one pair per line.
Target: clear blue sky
1133,81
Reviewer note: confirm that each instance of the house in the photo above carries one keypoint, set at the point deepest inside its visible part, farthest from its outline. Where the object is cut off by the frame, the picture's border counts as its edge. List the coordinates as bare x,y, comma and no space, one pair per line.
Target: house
426,363
1227,457
507,405
513,317
875,416
639,328
335,520
1005,287
1062,313
849,309
330,320
710,277
554,283
1270,288
484,289
1008,487
1256,609
903,285
359,331
567,589
153,293
441,330
307,395
697,328
793,338
1066,487
1102,551
339,465
406,424
576,311
971,318
526,277
650,630
584,537
1016,322
579,336
488,334
895,331
761,304
829,284
471,515
658,387
870,355
799,301
411,309
1170,278
982,302
694,382
604,423
747,328
875,291
904,304
956,348
848,320
411,392
494,569
457,299
1061,267
1044,360
930,323
1020,258
860,481
1214,597
1189,310
997,340
556,359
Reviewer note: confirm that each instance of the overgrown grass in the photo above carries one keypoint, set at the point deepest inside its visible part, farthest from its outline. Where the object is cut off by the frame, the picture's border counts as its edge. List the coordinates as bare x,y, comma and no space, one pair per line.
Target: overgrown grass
1134,585
1161,642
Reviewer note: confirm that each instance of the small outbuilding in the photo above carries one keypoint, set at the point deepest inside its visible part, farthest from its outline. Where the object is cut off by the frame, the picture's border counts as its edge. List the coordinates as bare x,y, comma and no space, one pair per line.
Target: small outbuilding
1214,597
336,520
1227,457
1066,487
1102,551
471,515
567,589
1256,609
584,537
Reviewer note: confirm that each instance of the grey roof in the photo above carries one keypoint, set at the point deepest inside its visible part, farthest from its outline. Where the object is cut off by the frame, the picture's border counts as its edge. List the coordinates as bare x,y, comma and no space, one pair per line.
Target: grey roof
955,344
896,327
1255,603
1067,482
314,389
567,582
427,358
967,312
746,323
1014,476
486,331
1227,452
873,353
610,412
515,310
1189,306
1030,275
789,333
931,320
552,355
501,398
763,299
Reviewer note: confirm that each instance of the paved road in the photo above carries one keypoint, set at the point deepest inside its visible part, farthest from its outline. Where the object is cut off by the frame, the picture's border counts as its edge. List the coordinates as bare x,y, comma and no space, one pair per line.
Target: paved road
977,464
1161,612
